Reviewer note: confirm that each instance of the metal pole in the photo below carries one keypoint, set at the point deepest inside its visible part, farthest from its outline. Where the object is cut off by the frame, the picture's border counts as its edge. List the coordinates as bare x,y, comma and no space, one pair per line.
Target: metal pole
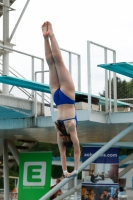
35,99
89,76
26,54
99,45
42,77
22,13
90,160
106,81
70,63
115,84
6,170
110,91
128,158
14,150
79,73
124,171
36,92
75,184
33,92
5,87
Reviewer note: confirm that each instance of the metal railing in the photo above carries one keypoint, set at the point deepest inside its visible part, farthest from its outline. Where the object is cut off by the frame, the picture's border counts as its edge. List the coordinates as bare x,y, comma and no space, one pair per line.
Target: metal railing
107,106
34,94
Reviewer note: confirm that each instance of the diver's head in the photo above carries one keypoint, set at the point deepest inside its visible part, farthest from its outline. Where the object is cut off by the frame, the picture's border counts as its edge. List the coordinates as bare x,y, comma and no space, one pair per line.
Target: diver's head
67,142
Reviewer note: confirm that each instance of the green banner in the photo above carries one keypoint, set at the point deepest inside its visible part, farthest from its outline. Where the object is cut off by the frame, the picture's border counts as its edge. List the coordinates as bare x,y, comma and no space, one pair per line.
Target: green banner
34,175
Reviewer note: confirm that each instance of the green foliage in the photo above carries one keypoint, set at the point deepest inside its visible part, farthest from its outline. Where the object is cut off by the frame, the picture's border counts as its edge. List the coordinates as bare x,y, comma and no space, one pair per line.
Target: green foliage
124,89
47,147
14,171
1,183
125,151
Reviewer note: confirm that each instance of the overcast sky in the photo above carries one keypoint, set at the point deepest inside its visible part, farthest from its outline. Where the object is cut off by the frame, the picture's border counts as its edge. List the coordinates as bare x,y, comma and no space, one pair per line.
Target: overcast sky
107,22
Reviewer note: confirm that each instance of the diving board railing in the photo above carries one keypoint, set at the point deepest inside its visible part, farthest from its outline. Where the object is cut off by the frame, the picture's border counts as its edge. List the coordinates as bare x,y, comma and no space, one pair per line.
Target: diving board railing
70,54
25,91
107,97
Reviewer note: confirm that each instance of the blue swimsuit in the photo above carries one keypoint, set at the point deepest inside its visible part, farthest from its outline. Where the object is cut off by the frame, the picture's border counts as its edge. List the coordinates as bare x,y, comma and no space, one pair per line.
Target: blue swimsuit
60,98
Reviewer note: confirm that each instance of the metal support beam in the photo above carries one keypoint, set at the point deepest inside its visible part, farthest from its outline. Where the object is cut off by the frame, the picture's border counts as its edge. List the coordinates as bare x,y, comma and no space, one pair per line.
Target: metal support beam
106,81
5,88
79,73
42,80
21,15
75,184
128,158
90,160
14,150
33,79
124,171
89,76
110,107
6,170
70,63
115,84
36,91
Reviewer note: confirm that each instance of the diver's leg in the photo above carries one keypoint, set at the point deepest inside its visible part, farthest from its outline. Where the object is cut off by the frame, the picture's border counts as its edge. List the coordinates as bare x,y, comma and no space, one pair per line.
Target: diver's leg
53,77
65,79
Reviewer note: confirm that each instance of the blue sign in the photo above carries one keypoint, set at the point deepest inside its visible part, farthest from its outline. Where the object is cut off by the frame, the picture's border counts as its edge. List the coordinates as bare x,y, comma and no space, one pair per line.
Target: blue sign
111,156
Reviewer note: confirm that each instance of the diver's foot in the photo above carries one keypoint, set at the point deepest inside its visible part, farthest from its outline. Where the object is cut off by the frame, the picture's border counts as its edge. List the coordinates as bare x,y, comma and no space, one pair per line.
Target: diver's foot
45,30
50,29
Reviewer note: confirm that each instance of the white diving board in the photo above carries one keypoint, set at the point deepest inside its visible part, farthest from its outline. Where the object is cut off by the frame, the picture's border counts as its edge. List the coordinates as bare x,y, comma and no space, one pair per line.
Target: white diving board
123,68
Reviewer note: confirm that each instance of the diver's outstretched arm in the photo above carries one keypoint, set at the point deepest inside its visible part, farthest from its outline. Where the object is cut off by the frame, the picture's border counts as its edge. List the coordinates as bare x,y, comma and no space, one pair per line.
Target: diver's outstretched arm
73,133
62,150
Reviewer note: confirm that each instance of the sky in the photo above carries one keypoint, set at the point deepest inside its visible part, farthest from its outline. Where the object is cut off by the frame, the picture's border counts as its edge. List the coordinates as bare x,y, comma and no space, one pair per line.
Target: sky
107,22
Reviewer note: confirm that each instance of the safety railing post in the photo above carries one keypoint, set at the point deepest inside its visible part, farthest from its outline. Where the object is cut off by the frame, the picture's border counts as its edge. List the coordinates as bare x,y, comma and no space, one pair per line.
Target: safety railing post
79,73
70,63
33,92
115,84
89,75
42,77
36,92
109,91
106,81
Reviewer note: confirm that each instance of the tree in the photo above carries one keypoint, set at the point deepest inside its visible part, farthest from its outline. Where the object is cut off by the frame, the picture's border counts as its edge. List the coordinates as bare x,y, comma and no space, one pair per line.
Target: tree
124,89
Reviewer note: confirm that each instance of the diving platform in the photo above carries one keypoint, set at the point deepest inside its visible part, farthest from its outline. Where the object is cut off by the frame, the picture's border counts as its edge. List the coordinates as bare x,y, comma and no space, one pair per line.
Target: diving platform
17,119
124,68
93,128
